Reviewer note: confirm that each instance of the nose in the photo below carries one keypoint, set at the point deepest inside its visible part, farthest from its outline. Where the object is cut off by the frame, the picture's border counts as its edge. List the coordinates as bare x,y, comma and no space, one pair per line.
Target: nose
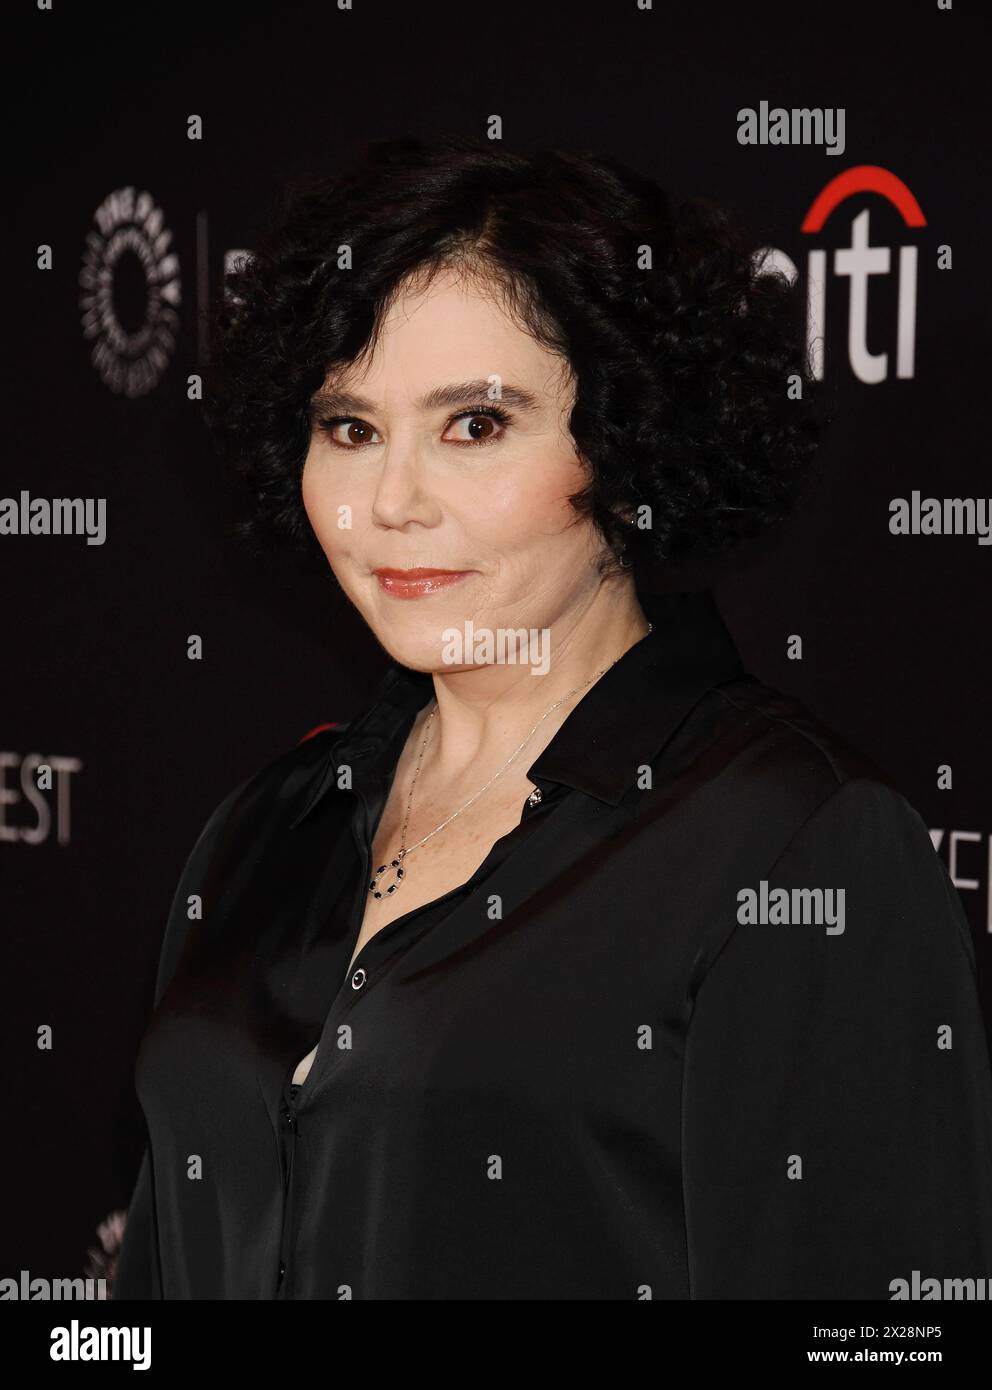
402,493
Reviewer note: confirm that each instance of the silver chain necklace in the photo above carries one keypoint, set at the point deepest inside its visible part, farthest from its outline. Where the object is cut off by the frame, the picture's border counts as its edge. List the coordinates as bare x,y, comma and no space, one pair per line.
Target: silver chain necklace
397,864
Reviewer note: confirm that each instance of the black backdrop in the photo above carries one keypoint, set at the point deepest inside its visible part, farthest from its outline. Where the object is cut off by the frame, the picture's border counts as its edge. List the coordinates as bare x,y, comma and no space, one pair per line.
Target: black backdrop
96,680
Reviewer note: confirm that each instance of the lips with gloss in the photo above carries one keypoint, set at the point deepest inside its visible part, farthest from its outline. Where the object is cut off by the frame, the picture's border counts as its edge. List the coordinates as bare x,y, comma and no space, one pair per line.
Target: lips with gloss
418,583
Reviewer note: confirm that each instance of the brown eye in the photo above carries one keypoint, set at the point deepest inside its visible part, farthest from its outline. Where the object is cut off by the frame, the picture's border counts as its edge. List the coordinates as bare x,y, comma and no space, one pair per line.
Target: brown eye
347,433
357,433
478,427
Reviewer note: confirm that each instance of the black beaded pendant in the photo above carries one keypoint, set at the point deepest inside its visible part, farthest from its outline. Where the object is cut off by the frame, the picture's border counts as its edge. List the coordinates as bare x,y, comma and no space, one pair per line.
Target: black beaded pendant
374,890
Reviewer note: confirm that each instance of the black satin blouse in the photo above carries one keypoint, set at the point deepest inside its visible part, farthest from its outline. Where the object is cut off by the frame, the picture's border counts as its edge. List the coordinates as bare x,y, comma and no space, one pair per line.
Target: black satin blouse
582,1074
289,1111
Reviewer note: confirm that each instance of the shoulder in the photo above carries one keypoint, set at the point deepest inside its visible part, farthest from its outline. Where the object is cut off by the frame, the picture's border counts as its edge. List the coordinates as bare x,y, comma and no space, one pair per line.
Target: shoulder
291,769
777,776
273,792
807,809
239,823
771,746
787,730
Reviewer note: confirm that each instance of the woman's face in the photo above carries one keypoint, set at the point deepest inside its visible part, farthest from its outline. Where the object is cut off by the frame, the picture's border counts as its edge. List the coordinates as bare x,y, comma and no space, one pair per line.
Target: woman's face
395,480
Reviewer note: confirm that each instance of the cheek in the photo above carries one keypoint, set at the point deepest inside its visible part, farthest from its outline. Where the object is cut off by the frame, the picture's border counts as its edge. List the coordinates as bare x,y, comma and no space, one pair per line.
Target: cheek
531,507
321,505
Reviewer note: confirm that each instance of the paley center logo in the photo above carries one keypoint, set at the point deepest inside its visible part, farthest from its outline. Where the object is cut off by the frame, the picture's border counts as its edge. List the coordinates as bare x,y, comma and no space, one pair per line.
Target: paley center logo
857,263
131,292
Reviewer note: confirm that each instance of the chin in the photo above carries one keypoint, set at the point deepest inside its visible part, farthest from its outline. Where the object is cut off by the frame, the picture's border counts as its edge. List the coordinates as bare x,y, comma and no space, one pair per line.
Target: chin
417,653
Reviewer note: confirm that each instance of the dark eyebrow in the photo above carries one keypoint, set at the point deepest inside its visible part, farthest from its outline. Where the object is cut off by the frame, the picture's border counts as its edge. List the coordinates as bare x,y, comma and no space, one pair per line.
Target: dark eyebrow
465,393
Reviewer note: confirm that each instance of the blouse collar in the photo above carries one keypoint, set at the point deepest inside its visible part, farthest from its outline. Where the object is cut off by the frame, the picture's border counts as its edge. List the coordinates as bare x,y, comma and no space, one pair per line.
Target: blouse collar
623,721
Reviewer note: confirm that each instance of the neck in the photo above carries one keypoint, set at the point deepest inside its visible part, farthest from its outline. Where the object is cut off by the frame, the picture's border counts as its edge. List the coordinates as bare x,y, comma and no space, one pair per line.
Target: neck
485,712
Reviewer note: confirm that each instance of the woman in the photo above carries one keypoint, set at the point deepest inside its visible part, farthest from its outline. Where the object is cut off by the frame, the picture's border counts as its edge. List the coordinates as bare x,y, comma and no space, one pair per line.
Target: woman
580,965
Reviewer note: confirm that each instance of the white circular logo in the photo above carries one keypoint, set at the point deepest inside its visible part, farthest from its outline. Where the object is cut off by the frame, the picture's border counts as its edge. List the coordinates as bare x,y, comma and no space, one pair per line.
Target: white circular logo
131,292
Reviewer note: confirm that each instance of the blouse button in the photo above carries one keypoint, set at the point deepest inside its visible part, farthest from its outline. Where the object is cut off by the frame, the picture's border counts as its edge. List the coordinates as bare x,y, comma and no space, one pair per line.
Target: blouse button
358,979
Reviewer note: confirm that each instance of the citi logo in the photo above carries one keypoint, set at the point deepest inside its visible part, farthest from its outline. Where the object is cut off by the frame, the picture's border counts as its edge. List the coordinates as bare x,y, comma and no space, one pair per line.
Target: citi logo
857,264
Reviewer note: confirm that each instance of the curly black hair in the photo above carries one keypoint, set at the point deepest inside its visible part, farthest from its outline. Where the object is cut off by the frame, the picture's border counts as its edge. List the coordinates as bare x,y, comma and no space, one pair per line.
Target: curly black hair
685,354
